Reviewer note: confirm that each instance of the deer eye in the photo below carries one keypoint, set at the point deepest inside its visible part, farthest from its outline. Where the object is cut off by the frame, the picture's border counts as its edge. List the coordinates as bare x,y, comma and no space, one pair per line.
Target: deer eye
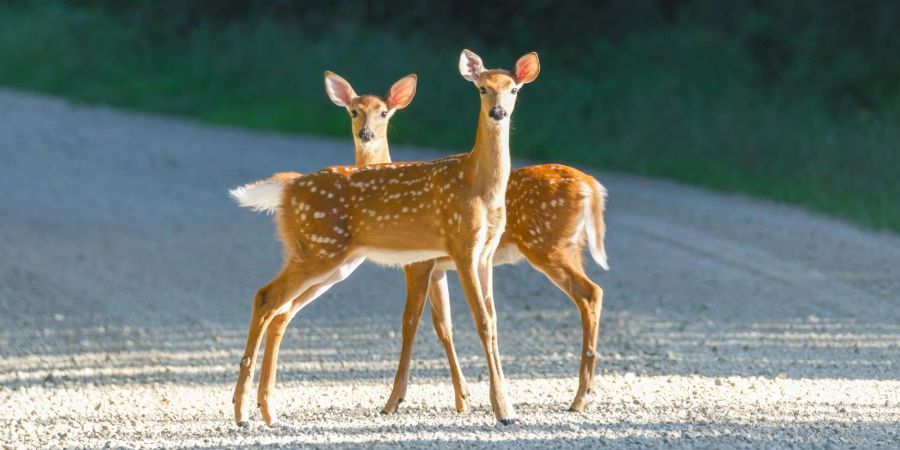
482,90
354,113
384,114
514,91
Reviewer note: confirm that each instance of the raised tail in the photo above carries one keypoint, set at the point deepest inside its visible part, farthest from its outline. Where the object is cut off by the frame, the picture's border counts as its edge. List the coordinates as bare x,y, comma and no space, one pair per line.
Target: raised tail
595,226
263,195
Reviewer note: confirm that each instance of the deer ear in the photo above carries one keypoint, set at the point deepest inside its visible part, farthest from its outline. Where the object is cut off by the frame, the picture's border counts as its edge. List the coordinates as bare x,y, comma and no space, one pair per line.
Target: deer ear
402,92
470,66
339,90
527,68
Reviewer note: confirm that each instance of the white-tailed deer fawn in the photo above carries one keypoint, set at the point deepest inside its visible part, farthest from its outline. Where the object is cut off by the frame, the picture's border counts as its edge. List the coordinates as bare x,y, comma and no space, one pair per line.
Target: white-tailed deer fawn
370,114
400,213
552,211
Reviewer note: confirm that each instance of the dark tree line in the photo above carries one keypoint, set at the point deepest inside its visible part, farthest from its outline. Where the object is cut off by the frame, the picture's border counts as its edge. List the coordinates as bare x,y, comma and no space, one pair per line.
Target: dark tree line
859,42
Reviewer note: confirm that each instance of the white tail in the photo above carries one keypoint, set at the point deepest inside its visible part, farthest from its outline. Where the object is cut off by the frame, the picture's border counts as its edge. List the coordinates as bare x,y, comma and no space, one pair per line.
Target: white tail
595,227
263,195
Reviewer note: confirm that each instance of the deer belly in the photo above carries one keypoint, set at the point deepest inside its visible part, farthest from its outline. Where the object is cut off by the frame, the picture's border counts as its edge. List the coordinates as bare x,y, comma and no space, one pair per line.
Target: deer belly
391,257
505,254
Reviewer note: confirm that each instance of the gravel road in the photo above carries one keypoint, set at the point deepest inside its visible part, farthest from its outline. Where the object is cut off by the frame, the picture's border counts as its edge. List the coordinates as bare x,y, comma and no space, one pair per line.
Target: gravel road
126,275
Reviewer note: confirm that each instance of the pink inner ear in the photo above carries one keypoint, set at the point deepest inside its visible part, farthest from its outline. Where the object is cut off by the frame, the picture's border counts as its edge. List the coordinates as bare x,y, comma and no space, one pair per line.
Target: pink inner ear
474,68
342,91
525,69
398,100
401,93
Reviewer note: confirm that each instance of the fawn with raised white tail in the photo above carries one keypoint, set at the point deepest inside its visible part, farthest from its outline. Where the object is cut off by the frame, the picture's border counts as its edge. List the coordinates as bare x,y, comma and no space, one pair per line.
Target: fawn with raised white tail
400,213
552,211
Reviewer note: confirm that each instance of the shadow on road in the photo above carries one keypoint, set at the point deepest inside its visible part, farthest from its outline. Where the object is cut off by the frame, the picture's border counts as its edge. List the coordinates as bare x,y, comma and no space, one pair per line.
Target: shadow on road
367,349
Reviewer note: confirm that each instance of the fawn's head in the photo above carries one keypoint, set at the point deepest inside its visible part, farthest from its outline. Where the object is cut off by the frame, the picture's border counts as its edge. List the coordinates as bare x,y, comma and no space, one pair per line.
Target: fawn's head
498,87
369,114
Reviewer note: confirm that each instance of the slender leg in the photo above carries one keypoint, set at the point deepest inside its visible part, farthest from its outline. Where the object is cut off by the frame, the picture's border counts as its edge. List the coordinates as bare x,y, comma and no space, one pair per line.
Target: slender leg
439,295
468,277
566,272
267,373
288,287
267,301
417,276
486,275
274,334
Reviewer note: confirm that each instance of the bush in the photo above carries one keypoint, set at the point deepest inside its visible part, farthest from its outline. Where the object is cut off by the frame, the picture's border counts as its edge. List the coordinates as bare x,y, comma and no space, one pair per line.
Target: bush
795,101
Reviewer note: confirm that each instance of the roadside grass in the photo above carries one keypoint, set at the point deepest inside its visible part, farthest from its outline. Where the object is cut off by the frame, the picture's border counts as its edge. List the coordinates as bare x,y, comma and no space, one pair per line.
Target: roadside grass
679,102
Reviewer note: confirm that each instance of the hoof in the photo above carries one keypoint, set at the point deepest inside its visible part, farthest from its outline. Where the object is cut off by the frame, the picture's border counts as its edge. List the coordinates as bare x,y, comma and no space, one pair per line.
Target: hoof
390,408
506,422
462,405
243,424
579,404
577,408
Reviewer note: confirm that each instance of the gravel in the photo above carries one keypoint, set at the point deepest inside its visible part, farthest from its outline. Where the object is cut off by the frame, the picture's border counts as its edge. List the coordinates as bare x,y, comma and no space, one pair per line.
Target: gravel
126,276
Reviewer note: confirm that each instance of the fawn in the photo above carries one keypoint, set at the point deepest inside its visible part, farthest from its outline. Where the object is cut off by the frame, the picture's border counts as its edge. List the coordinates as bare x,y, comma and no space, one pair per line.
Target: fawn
551,210
396,214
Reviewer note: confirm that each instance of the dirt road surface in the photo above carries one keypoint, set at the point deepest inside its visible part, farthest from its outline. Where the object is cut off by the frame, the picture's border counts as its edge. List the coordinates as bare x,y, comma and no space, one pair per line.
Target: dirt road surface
126,275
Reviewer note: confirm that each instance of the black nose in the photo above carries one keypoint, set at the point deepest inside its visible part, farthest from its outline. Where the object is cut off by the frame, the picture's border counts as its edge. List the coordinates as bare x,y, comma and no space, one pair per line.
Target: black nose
497,113
366,134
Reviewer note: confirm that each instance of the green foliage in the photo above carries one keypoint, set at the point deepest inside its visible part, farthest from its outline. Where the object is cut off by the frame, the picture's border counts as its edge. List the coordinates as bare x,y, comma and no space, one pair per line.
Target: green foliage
787,100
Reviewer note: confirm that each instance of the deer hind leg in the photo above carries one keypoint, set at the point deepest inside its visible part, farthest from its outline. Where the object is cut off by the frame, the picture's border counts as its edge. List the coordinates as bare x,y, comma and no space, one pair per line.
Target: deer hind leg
565,270
268,302
417,276
467,269
275,332
439,295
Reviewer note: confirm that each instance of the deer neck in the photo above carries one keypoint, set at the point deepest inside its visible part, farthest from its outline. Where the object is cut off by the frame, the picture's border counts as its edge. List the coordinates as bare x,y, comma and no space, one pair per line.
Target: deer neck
489,160
374,152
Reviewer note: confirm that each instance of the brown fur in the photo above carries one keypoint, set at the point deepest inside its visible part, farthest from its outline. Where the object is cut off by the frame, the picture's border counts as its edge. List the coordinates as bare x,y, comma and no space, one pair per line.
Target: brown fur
332,219
545,206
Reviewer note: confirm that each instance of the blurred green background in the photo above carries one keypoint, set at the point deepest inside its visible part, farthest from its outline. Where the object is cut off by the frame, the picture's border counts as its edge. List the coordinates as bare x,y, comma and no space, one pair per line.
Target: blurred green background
796,101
